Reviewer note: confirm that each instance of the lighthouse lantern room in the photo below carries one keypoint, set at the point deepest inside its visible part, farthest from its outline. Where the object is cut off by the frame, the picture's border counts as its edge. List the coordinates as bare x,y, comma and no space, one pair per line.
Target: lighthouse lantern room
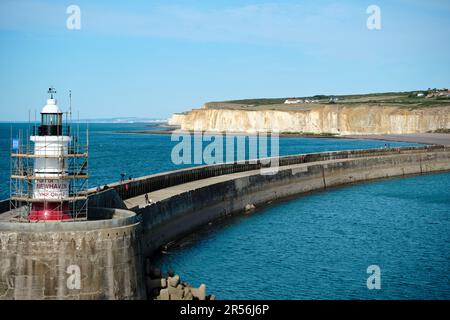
49,176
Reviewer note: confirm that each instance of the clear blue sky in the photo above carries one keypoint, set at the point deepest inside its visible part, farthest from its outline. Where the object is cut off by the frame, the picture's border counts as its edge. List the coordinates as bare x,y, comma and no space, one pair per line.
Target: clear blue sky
153,58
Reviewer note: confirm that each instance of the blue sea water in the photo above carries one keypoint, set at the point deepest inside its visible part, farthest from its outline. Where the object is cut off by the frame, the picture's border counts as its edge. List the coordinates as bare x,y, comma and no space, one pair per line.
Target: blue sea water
316,246
319,246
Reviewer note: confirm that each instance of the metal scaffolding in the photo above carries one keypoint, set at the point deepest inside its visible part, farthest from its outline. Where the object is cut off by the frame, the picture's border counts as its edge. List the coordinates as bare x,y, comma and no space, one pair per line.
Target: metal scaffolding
23,177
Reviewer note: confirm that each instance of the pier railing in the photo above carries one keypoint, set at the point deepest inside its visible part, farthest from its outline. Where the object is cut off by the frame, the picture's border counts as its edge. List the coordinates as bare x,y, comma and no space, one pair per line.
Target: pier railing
138,186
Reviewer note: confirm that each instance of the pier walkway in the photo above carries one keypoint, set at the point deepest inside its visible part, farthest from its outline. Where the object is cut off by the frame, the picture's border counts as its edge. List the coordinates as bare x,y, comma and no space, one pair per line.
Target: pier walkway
166,193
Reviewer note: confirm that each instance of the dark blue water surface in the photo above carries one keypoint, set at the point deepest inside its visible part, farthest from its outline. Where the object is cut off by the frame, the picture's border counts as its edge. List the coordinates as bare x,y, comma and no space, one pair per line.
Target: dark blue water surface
320,245
112,153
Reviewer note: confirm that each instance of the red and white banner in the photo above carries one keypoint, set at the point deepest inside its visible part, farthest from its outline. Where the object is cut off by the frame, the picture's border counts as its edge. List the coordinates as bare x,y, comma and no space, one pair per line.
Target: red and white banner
51,189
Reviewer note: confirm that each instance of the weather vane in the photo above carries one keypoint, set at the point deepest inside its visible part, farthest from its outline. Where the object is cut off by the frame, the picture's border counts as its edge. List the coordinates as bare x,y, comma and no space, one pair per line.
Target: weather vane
51,91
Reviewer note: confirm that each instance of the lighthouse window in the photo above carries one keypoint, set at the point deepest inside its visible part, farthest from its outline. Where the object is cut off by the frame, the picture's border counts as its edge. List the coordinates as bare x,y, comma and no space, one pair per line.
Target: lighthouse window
49,119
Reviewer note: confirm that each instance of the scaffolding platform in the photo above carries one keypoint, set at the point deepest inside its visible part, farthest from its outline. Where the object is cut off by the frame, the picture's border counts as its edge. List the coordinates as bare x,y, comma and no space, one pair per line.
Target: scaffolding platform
43,155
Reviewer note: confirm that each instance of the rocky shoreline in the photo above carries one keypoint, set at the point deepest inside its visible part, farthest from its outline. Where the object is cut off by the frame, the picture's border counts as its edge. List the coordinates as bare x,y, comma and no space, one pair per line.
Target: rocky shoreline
169,286
422,138
235,133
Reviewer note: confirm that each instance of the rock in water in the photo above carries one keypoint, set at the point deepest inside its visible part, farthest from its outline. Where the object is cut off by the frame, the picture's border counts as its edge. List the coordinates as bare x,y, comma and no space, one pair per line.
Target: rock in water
174,281
164,295
200,292
249,207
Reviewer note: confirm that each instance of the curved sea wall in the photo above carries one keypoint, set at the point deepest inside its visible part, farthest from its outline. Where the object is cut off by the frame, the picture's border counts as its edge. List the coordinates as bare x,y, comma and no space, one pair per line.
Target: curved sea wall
318,119
118,191
186,208
73,260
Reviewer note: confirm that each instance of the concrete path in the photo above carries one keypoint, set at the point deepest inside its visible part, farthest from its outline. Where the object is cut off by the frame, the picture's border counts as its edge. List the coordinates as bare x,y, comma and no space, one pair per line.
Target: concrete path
426,138
166,193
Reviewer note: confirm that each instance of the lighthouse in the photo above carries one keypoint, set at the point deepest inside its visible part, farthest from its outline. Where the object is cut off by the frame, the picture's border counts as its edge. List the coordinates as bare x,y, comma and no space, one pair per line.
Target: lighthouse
49,169
51,148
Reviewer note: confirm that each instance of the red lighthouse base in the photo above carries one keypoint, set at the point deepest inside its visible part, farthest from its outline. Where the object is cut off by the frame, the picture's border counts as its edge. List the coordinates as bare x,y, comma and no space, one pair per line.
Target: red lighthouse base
49,212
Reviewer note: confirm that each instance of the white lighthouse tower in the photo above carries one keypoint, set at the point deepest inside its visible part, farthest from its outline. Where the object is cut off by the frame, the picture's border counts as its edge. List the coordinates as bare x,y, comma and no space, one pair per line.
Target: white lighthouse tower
50,181
51,147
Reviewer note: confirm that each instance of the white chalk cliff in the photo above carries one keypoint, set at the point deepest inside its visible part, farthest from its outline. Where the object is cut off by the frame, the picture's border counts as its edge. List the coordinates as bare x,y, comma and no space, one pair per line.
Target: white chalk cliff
319,119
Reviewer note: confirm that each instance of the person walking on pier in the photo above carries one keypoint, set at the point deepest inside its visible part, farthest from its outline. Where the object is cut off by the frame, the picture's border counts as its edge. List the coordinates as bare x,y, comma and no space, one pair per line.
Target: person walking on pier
148,201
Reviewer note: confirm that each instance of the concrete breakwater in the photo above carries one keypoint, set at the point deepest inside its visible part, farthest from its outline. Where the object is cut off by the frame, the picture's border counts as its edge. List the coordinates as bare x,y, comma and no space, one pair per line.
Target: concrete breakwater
182,208
96,259
184,200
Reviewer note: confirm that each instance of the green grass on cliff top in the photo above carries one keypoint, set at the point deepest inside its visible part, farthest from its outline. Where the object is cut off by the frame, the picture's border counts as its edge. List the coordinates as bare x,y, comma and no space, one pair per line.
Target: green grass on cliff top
395,99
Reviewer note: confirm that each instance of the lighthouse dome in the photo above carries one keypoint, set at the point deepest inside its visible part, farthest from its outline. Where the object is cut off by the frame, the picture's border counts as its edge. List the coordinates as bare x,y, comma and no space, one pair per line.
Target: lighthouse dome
51,107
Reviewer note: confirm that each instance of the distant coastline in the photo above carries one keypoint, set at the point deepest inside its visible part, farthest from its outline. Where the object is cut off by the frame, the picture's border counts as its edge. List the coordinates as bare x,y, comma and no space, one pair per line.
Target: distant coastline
420,138
177,130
